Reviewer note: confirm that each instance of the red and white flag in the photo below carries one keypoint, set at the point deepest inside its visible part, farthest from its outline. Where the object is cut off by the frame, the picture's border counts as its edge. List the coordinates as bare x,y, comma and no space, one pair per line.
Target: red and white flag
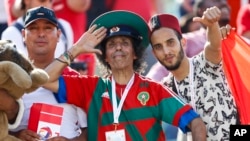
45,119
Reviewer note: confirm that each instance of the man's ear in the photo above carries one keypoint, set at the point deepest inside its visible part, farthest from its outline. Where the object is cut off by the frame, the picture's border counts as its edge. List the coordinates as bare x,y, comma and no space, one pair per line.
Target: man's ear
183,43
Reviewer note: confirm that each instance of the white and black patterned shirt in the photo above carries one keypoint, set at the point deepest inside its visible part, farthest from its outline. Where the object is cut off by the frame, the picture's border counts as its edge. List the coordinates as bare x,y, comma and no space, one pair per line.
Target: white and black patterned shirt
212,96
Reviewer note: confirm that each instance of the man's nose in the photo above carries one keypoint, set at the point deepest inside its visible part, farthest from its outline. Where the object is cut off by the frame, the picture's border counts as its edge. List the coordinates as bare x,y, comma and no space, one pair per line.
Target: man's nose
41,32
166,50
118,46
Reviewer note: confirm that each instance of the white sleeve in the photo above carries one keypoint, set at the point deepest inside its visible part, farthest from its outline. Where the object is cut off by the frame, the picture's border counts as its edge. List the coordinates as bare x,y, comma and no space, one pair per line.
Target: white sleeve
19,115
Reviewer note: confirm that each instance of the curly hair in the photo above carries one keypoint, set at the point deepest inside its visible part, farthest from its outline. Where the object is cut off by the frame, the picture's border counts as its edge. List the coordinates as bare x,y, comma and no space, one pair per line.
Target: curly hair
139,63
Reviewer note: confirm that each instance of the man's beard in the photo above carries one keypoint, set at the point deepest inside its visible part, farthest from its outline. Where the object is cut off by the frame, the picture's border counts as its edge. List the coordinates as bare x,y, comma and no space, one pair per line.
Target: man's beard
178,62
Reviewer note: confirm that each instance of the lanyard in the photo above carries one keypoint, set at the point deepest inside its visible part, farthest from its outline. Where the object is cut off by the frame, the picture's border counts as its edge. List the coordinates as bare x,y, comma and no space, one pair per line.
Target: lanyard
117,110
191,84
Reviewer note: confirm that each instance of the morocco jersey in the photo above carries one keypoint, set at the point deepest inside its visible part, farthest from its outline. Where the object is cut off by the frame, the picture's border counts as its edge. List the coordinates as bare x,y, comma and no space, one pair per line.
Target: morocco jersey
146,105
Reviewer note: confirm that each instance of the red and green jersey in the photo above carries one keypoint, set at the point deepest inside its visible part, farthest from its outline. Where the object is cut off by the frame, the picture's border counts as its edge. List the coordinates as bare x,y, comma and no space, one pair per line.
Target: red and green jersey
146,105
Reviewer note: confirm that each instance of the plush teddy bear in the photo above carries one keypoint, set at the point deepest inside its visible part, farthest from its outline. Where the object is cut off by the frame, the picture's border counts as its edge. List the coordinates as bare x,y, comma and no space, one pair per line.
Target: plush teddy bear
17,76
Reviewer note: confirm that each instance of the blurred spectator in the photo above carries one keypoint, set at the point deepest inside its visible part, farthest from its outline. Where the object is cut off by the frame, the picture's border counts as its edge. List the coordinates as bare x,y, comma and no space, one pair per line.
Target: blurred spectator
242,22
187,24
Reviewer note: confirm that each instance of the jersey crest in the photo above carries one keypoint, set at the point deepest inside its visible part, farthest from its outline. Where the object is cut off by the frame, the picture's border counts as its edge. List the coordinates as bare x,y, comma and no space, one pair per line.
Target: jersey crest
143,97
